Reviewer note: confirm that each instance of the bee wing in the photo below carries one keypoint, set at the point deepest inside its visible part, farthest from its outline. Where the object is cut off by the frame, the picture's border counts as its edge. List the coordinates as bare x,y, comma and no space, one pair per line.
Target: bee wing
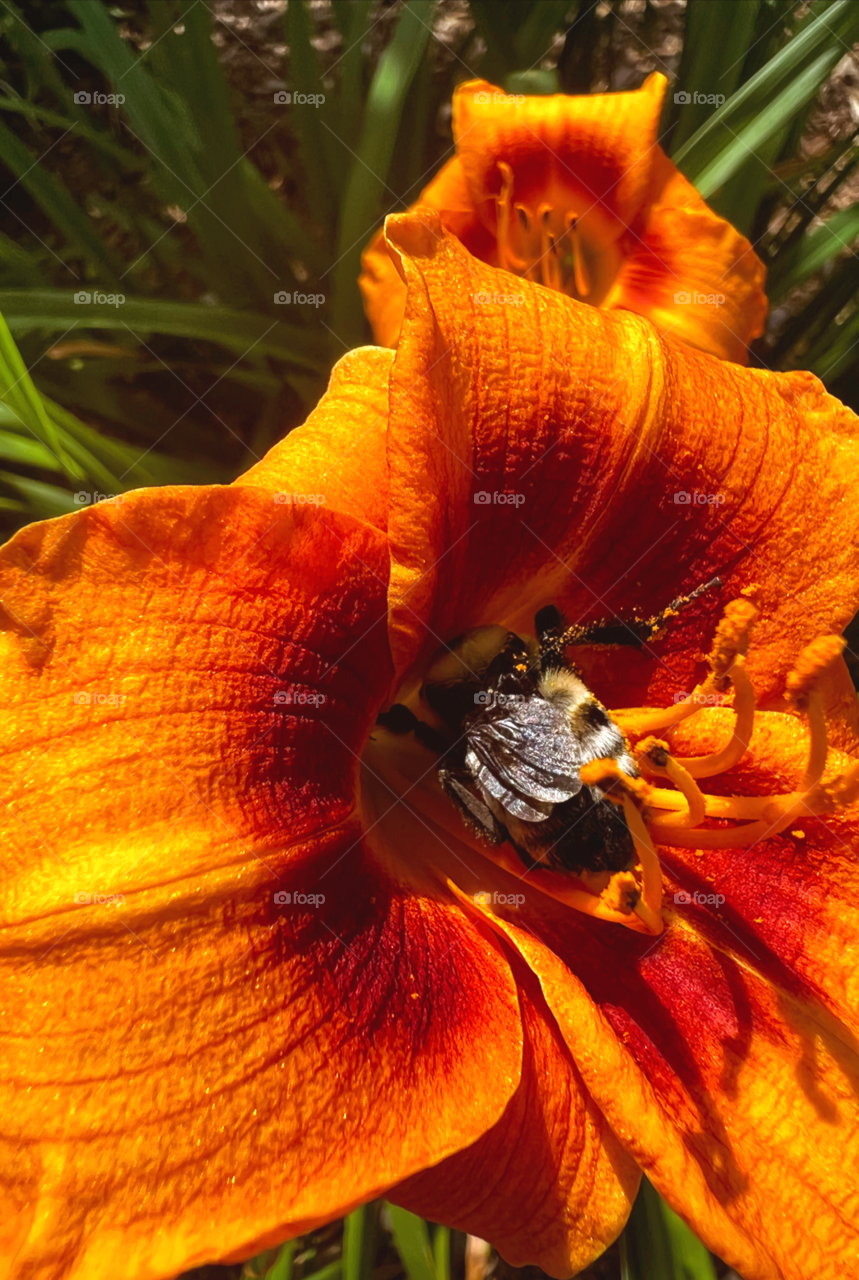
465,795
524,756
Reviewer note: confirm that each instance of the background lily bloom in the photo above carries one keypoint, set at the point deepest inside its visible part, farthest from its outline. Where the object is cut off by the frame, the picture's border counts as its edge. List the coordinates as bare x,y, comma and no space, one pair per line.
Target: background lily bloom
191,677
575,193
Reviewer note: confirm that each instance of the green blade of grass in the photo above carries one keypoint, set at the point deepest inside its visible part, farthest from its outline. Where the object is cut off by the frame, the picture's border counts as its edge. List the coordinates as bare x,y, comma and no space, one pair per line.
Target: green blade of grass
333,1271
441,1252
717,37
55,201
243,331
95,137
281,1268
769,100
533,38
353,18
411,1237
657,1245
321,164
27,452
813,252
177,105
41,501
692,1259
836,351
19,393
396,70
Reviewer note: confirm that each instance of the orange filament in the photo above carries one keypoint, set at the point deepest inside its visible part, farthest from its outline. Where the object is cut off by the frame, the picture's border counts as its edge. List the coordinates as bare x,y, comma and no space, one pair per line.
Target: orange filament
654,756
761,816
744,708
529,245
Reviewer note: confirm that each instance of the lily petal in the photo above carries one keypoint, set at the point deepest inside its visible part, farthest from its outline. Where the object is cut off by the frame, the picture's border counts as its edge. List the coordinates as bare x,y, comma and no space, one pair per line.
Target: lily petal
382,288
550,1184
792,901
338,454
589,427
201,1069
690,273
737,1099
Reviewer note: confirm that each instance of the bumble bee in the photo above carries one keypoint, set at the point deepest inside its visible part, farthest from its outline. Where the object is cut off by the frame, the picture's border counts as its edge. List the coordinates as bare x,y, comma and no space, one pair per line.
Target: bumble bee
517,725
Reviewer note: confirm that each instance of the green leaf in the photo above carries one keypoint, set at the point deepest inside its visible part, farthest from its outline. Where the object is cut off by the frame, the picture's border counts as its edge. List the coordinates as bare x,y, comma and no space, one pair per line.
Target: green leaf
43,501
360,1231
30,453
535,82
837,351
281,1268
333,1271
411,1236
23,400
353,17
534,37
242,331
768,101
441,1252
95,137
177,105
813,252
368,179
56,202
717,37
657,1245
692,1259
319,159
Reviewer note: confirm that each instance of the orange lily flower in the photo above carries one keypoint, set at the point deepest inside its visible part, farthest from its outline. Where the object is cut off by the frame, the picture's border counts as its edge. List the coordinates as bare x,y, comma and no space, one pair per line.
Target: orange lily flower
575,193
256,970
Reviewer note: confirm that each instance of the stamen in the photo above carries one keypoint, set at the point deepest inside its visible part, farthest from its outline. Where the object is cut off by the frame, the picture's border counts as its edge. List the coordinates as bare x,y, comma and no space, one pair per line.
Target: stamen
649,863
654,756
635,722
635,792
744,710
803,690
580,274
550,267
507,259
771,814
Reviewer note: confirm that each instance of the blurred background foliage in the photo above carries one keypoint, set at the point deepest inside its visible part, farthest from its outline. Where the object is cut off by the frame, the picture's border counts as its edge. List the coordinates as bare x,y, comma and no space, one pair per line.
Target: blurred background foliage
200,197
380,1241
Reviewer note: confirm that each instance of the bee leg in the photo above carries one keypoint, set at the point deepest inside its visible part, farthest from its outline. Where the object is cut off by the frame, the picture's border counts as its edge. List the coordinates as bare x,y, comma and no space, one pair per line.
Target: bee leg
401,719
634,632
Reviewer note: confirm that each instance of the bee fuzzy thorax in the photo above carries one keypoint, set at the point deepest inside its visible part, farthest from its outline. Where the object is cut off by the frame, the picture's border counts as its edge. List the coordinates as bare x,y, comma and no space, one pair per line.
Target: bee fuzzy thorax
563,687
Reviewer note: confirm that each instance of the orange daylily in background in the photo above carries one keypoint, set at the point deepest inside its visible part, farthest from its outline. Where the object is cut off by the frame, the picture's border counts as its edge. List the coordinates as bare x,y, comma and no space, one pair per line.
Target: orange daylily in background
296,1002
575,193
